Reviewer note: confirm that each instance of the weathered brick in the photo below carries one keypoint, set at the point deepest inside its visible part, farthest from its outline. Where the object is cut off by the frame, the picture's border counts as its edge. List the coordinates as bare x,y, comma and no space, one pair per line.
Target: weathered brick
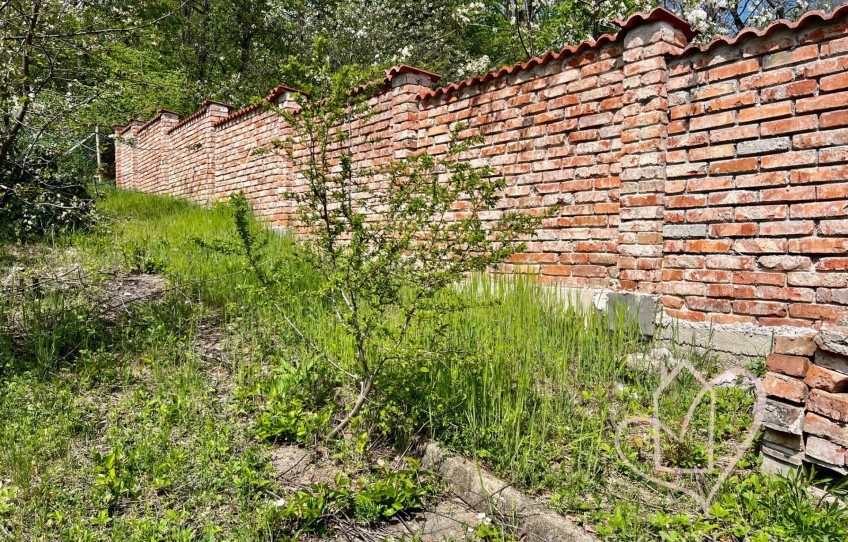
786,440
792,365
740,165
832,405
784,417
832,361
826,451
825,379
784,387
795,345
826,428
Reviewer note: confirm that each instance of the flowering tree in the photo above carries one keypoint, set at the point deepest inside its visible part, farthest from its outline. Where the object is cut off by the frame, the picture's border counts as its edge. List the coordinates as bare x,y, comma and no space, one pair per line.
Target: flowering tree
727,17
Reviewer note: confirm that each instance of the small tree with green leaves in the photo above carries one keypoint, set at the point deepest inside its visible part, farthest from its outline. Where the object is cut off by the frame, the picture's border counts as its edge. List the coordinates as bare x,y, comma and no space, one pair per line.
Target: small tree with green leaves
389,241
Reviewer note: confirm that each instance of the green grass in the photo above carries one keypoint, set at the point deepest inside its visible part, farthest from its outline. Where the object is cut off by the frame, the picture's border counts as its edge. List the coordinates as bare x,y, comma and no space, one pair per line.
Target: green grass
142,444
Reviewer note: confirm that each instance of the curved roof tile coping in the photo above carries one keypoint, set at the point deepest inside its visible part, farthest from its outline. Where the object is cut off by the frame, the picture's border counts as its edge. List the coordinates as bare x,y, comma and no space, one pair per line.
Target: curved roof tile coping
815,16
275,93
122,129
156,117
656,15
198,113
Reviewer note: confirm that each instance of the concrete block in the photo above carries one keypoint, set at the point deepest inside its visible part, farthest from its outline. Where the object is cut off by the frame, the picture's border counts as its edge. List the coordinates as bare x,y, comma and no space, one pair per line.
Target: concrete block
644,307
772,465
684,231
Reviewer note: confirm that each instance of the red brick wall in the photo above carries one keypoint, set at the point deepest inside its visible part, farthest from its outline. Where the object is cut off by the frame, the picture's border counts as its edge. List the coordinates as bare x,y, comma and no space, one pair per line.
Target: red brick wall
711,176
554,132
756,197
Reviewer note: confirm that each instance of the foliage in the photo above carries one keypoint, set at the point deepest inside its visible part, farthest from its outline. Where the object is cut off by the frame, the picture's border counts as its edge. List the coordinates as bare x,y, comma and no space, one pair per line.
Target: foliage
757,508
387,241
376,497
38,202
528,386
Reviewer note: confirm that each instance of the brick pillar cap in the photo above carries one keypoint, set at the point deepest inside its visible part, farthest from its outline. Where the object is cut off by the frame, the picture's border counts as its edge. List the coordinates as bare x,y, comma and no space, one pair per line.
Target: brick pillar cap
657,15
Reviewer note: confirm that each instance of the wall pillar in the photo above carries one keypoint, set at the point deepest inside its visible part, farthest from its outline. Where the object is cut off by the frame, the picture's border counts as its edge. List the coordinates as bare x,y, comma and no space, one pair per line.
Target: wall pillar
643,137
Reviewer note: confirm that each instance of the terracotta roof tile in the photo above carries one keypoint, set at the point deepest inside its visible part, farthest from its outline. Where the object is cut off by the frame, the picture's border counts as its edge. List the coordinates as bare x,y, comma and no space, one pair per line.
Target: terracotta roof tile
273,95
657,14
156,117
811,17
198,113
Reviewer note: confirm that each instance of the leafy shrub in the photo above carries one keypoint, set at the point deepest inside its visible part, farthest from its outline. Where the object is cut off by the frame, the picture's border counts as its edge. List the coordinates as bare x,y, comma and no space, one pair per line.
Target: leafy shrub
42,196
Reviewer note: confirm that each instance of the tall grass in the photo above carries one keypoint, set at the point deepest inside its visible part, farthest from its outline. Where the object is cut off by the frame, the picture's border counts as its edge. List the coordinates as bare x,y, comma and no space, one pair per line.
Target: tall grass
530,382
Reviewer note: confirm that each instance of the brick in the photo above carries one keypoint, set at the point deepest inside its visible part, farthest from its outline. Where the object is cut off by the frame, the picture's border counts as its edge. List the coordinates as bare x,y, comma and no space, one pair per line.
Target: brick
708,305
831,405
760,308
818,103
763,146
736,133
761,212
803,123
795,345
770,111
821,209
735,197
834,227
766,79
785,293
712,121
819,246
792,365
730,262
734,69
784,387
783,417
747,277
826,379
745,229
834,82
792,90
789,159
713,152
684,231
740,165
833,154
787,228
821,174
816,312
792,56
708,246
832,280
832,119
826,451
832,264
832,191
824,138
832,361
785,440
826,428
771,178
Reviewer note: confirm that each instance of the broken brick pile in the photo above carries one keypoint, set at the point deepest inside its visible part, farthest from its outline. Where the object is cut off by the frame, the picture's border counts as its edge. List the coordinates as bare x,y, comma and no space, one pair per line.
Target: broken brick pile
807,407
